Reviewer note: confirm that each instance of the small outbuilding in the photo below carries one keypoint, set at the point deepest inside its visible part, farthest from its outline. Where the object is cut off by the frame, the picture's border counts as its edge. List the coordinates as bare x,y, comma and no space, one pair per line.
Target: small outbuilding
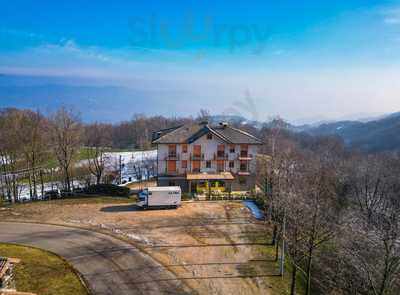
7,280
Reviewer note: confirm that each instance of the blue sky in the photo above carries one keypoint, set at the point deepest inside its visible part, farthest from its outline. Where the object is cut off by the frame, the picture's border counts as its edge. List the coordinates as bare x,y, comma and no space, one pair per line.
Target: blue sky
303,60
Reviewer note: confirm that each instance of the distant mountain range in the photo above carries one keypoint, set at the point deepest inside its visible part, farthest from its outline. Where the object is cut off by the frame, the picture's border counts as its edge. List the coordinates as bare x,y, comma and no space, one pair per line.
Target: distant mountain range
382,134
376,134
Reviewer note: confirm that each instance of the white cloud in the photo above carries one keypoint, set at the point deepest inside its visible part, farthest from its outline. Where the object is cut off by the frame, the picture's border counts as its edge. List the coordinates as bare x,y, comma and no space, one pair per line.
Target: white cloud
392,20
391,15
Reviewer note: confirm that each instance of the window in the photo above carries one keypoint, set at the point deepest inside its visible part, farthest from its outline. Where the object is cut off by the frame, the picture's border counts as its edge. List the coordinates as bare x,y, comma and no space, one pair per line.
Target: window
197,151
209,136
243,150
172,150
208,164
232,149
231,164
221,151
196,166
220,166
184,148
171,168
243,166
242,180
184,164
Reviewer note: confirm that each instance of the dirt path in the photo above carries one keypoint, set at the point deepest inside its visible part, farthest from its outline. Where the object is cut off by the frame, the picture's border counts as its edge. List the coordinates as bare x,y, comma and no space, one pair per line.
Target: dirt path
215,247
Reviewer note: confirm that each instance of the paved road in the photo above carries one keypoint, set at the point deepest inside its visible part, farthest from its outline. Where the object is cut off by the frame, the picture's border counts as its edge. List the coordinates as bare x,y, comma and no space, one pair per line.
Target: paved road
110,266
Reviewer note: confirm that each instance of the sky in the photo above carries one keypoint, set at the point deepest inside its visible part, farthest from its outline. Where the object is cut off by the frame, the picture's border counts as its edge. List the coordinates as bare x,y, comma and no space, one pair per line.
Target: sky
302,60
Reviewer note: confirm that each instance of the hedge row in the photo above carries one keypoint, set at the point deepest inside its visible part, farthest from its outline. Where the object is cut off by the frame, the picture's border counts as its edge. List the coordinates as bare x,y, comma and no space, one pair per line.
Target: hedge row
108,189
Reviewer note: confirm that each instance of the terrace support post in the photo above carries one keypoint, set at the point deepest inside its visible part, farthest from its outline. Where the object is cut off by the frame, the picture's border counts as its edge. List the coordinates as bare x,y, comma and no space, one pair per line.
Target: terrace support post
230,190
209,189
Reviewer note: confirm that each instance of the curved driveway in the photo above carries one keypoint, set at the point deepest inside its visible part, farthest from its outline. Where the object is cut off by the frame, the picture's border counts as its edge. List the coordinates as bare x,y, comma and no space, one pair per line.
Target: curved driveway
110,266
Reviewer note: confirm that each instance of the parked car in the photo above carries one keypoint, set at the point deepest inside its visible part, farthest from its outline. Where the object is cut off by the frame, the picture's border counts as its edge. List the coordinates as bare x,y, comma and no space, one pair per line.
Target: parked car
78,190
65,193
53,194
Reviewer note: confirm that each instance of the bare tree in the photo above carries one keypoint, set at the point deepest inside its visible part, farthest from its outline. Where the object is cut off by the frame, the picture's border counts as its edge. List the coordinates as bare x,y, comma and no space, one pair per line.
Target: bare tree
372,248
98,140
203,115
10,152
31,136
370,180
65,132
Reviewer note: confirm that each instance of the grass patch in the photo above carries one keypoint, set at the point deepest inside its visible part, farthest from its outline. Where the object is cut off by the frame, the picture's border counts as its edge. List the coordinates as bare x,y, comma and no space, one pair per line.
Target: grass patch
266,265
42,272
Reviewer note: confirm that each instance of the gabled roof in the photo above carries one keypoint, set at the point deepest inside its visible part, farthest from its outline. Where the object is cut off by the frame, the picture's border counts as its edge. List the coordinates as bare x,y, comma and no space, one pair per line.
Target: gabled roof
191,132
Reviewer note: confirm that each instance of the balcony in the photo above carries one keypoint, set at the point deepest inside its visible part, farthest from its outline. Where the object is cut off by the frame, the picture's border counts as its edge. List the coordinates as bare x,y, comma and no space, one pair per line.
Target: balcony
172,156
243,172
197,157
245,156
244,169
172,172
220,169
221,156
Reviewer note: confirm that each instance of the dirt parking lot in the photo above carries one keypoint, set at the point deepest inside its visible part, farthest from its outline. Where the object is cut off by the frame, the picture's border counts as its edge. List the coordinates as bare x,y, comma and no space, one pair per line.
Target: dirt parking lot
215,247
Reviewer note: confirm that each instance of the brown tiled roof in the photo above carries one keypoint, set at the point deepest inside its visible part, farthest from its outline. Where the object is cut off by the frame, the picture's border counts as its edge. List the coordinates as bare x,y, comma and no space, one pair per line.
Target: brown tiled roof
192,132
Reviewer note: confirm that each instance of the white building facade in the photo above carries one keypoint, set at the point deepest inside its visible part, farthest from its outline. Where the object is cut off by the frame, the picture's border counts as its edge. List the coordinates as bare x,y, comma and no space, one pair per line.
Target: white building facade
201,157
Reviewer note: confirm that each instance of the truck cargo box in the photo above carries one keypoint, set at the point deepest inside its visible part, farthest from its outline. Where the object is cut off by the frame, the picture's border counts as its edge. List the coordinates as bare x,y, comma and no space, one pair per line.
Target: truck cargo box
160,197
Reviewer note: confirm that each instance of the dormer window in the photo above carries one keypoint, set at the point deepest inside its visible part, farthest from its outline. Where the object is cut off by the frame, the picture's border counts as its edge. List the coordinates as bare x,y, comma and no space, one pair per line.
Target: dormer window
209,136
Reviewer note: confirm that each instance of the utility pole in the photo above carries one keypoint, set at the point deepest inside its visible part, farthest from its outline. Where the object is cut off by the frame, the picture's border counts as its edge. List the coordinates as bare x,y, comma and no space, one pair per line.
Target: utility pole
282,266
120,169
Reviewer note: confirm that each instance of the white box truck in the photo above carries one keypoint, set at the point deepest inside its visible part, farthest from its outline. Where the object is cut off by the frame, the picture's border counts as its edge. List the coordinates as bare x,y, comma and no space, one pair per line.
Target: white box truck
160,197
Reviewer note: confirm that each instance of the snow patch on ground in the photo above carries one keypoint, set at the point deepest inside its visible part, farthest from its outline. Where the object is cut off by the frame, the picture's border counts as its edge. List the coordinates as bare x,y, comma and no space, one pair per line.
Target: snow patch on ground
138,165
138,238
132,162
257,213
128,235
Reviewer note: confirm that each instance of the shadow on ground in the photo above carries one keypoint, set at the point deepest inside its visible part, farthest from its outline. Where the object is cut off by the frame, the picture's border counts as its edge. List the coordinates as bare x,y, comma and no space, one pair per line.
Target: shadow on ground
121,208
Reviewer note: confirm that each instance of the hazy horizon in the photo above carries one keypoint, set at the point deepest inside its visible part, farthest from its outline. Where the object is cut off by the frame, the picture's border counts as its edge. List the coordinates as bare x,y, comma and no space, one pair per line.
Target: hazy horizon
305,61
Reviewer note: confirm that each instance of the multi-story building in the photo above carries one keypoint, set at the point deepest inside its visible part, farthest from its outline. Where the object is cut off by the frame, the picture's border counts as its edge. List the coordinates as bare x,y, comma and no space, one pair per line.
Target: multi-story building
200,157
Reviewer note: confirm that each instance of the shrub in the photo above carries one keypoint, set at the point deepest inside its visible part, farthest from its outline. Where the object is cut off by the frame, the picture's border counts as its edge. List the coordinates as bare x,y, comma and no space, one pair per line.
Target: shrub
108,189
187,196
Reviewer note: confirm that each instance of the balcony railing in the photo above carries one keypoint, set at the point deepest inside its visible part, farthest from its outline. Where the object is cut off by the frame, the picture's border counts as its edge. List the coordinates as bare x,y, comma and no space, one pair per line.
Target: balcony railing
172,172
197,157
220,156
244,156
172,156
220,169
243,172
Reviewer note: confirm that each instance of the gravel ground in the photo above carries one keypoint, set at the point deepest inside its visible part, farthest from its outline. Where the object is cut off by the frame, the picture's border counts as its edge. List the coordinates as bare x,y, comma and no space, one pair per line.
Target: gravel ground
215,247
